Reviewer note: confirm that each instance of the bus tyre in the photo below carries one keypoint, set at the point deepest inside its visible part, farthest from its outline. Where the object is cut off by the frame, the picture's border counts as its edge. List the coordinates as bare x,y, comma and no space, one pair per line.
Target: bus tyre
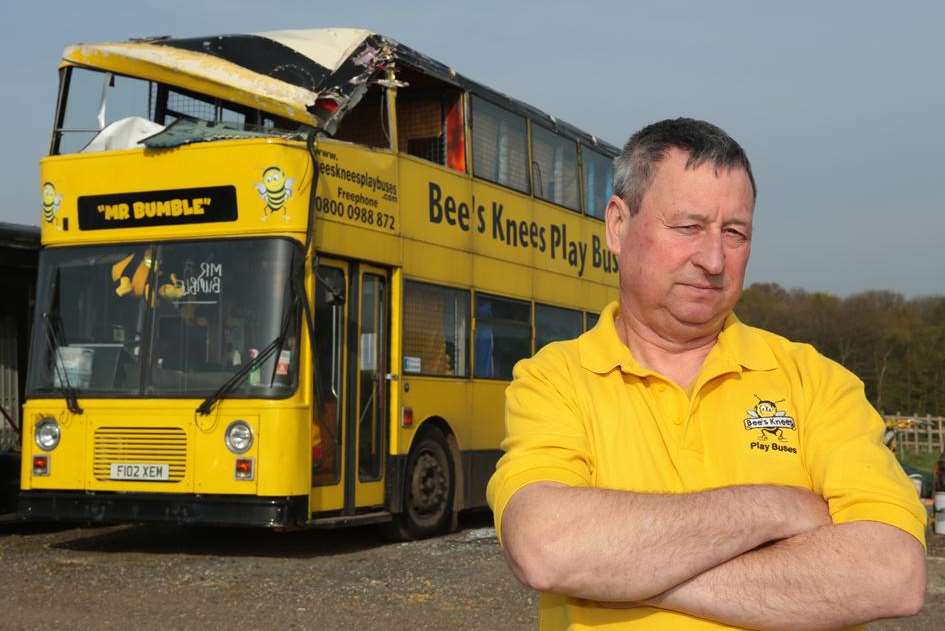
428,489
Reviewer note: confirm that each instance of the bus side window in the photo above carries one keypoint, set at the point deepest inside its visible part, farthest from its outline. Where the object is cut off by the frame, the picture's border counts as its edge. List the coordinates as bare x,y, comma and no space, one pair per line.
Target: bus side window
503,335
500,145
430,126
436,329
556,323
555,168
598,181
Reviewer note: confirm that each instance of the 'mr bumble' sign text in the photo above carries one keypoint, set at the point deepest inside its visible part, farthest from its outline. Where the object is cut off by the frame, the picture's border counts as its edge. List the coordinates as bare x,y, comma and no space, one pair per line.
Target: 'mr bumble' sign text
158,208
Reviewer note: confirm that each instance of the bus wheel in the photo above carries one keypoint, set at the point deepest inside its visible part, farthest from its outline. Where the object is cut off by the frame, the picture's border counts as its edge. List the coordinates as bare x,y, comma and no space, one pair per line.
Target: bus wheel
428,497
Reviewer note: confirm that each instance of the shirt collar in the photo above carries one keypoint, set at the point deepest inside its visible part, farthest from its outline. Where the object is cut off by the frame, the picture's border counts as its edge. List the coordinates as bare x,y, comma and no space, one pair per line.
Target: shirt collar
745,345
738,346
601,349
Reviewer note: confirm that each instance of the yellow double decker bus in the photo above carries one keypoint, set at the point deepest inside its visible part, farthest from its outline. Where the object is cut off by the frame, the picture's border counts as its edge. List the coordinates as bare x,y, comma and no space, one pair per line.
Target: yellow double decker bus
285,276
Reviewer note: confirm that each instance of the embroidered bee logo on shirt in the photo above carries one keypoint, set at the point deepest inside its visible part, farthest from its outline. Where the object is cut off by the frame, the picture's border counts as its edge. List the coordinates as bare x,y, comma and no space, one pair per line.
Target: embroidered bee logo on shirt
771,423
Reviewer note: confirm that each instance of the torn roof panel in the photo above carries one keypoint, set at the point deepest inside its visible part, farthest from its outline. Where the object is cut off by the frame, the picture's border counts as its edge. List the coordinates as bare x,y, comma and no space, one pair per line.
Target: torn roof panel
282,72
286,72
329,47
303,58
260,55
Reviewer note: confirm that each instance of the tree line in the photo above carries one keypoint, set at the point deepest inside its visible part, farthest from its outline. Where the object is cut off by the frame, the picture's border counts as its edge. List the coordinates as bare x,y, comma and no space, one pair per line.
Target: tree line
895,345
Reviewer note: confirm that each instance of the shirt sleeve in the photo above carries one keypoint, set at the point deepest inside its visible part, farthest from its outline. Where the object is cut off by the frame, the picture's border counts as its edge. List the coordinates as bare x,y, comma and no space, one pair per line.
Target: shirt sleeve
849,464
545,440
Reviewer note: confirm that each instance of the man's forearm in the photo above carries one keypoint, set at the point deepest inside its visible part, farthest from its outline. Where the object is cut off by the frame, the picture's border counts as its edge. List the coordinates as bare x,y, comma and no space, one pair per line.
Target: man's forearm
832,577
620,546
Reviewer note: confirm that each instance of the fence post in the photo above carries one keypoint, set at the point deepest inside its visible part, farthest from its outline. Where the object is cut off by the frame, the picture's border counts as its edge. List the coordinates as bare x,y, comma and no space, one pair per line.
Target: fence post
928,429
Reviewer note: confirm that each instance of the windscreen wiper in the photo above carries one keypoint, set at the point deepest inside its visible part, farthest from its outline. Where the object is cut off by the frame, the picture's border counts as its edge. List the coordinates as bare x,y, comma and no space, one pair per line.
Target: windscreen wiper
55,342
271,348
240,375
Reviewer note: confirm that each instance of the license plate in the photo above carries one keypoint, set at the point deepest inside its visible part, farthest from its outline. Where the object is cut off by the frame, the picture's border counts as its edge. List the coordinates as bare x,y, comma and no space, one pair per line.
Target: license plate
134,471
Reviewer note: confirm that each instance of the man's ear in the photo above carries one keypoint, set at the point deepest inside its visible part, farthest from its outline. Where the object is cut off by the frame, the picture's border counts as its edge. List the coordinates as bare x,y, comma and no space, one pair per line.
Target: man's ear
616,221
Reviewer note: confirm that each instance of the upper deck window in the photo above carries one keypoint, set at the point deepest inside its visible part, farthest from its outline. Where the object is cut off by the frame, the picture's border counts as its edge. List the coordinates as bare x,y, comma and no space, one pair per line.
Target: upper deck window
430,126
500,145
96,99
101,111
431,120
554,168
598,181
367,123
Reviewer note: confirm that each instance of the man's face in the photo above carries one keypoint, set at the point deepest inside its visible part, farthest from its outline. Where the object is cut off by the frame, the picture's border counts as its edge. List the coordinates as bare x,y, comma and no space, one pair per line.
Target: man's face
682,257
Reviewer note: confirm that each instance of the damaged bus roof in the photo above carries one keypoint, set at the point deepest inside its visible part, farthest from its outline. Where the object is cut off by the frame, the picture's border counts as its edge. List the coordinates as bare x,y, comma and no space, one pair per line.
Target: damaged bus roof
311,76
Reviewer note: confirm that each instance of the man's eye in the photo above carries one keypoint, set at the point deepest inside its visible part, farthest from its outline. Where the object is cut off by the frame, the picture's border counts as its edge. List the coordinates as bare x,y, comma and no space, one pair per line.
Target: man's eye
686,229
736,235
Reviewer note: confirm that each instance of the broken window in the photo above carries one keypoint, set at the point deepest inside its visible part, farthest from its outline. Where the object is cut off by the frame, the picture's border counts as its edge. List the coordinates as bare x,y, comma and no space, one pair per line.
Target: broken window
94,101
102,111
170,105
366,124
554,168
500,145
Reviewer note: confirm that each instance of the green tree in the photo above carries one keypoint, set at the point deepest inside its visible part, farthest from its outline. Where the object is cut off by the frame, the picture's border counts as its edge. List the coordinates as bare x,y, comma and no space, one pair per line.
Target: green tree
896,346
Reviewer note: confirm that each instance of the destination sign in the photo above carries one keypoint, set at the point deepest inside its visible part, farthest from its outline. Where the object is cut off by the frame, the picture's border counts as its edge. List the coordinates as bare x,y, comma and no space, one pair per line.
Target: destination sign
158,208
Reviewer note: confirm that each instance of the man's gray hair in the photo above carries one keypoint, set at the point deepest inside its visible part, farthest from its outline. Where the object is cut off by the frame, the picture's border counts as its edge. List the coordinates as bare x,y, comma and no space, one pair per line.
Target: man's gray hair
635,167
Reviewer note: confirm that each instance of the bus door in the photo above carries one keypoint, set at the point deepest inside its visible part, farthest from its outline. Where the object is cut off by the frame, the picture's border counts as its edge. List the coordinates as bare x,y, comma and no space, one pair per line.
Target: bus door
352,345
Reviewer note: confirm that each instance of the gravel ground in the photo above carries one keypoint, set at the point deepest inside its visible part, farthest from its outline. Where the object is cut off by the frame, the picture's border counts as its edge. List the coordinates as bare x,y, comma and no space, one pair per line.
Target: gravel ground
163,577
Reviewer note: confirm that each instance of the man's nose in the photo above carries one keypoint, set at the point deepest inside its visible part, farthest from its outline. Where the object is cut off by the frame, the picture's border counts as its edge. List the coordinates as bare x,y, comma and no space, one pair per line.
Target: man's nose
711,254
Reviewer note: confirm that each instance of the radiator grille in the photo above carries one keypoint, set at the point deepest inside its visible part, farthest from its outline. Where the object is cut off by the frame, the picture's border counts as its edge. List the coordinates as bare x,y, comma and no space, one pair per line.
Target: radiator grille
145,445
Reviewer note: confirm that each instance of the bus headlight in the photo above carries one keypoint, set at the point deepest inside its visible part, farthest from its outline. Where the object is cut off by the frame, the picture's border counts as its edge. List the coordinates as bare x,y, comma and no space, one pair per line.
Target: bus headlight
239,437
46,434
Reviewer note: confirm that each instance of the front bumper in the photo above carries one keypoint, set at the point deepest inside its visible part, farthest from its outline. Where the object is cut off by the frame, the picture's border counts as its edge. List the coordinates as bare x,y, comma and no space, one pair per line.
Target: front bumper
217,510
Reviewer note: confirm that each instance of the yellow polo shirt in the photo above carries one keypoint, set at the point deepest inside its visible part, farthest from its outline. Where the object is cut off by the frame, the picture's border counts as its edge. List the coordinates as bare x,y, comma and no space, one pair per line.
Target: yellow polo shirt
763,410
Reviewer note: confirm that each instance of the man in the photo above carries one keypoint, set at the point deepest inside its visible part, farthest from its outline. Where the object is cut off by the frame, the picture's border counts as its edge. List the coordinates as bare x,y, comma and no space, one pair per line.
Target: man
676,469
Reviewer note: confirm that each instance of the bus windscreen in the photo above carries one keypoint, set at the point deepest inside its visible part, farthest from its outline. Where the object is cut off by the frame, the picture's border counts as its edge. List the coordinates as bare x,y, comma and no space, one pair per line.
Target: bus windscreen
164,320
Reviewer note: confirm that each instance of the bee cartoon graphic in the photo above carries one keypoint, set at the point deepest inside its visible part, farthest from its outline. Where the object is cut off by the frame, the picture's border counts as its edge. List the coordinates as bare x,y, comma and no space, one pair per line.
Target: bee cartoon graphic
51,202
766,416
275,189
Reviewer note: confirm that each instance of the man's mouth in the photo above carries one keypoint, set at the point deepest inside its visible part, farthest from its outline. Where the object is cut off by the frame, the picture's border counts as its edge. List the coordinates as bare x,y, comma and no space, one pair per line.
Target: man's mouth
702,286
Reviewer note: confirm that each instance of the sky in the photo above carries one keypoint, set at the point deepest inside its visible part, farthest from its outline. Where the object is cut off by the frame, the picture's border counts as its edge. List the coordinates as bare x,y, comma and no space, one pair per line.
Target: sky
838,104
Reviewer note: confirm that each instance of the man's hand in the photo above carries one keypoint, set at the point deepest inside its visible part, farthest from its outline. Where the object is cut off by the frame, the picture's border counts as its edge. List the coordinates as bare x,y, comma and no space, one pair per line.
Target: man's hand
621,546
